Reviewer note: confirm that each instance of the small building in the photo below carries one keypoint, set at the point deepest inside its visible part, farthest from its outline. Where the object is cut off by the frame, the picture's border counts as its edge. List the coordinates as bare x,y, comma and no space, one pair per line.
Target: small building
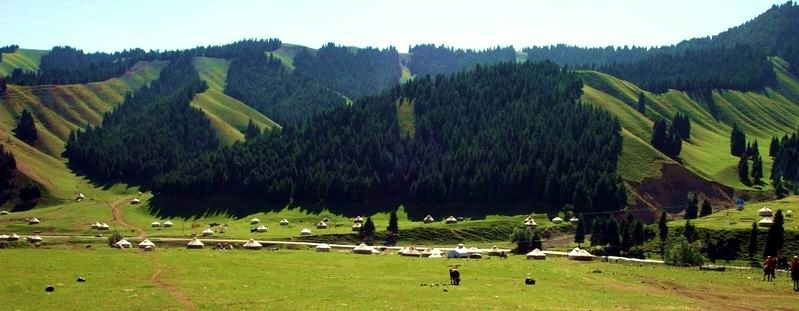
537,254
255,221
252,244
146,244
33,221
356,227
766,222
358,219
574,220
363,249
530,223
428,219
168,224
135,201
261,229
580,254
322,247
451,220
34,238
103,227
557,220
123,244
208,232
284,222
765,212
305,232
321,225
195,244
155,224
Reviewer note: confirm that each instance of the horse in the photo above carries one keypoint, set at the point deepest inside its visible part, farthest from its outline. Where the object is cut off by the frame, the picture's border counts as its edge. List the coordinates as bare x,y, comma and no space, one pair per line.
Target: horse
769,273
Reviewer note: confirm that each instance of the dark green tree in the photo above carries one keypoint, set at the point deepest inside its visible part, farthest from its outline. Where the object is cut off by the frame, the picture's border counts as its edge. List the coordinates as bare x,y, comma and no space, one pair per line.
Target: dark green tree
737,141
252,131
753,245
598,236
757,169
367,231
393,224
641,103
776,236
692,209
743,171
8,169
2,86
663,230
26,128
579,233
707,208
773,147
689,231
613,233
638,232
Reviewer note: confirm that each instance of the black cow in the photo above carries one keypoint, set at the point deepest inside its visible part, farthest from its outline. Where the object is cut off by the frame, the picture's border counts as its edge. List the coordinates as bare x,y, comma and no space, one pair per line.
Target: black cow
454,276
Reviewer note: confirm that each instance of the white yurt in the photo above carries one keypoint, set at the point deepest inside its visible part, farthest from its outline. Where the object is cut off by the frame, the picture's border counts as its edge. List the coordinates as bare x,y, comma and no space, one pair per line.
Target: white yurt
451,220
580,254
252,244
95,225
363,249
262,229
530,223
135,201
436,253
155,224
4,237
207,232
195,244
494,251
475,253
123,244
574,220
284,222
765,212
34,238
322,248
356,226
79,197
3,212
168,224
766,222
529,218
536,254
146,244
255,221
428,219
13,237
305,232
411,252
426,252
358,219
33,221
103,227
321,225
557,220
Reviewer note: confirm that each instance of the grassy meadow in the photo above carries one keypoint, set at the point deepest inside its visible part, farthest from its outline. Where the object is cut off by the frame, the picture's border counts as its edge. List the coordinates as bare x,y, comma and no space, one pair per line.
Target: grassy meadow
205,279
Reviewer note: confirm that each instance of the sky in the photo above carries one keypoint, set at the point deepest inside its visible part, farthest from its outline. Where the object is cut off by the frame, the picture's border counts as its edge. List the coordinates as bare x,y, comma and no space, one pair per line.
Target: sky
115,25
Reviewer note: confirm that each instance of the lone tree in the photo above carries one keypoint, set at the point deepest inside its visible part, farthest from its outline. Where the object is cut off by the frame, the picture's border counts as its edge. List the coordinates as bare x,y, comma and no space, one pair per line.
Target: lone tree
776,236
579,233
26,128
693,207
663,230
707,208
393,226
641,103
367,231
753,247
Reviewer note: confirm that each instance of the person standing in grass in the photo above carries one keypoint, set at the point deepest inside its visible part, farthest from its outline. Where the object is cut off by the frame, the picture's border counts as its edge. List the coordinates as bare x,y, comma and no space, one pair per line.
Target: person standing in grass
795,273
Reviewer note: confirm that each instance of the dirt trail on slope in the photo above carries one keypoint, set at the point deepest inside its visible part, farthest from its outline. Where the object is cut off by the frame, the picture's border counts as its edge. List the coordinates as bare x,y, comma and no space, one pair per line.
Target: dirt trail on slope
116,211
155,278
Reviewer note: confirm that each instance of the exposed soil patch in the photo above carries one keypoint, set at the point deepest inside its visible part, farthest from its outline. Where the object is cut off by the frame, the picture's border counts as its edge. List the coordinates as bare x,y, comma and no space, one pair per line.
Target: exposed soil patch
155,278
116,211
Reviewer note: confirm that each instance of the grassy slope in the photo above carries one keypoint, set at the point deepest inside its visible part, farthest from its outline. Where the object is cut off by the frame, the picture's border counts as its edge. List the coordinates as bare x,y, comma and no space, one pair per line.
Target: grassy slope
228,115
760,115
58,109
25,59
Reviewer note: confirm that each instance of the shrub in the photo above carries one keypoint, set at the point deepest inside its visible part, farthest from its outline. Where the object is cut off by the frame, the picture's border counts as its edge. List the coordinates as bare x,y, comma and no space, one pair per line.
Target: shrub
683,253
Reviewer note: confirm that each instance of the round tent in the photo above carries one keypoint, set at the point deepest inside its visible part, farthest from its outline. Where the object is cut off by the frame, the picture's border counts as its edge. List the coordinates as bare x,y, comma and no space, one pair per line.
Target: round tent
207,232
252,244
135,201
34,238
168,224
95,225
79,197
451,220
155,224
580,254
356,227
494,251
3,212
536,254
363,249
13,237
146,244
321,225
766,222
358,219
765,212
103,227
428,219
33,221
557,220
4,237
411,252
305,232
530,223
262,229
475,253
529,218
122,244
255,221
195,244
323,247
574,220
284,222
438,254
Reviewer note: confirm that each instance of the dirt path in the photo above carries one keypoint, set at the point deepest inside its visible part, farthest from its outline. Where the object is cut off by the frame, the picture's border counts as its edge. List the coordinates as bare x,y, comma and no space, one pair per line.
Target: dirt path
116,211
155,278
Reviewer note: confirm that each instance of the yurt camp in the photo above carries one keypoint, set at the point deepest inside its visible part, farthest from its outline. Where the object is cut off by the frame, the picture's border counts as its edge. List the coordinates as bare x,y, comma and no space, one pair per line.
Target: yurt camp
33,221
363,249
155,224
146,244
557,220
765,212
208,232
284,222
168,224
322,248
530,223
255,221
580,254
410,252
321,225
428,219
451,220
34,238
356,227
252,244
123,244
261,229
766,222
305,232
358,219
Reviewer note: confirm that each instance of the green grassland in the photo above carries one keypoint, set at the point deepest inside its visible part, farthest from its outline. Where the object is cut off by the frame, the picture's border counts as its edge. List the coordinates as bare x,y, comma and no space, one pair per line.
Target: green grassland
228,115
180,279
734,219
760,115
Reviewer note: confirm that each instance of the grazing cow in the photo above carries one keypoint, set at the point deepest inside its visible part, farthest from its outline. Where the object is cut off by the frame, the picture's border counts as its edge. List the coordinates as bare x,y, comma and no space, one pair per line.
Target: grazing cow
454,276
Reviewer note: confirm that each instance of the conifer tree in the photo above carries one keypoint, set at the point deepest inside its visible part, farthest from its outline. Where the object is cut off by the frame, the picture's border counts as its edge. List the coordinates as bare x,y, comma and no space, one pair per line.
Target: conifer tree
579,233
753,246
776,236
26,128
707,208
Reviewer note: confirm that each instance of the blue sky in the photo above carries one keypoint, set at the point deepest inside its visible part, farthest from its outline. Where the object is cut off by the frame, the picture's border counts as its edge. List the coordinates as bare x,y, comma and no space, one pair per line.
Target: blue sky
114,25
